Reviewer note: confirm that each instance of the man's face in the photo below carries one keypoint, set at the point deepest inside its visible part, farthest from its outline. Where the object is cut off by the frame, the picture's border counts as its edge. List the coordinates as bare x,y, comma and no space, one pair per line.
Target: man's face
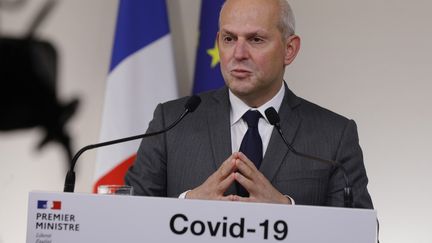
253,53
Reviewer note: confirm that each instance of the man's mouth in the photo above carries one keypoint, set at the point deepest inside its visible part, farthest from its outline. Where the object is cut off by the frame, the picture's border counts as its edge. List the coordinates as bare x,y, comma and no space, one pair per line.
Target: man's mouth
240,73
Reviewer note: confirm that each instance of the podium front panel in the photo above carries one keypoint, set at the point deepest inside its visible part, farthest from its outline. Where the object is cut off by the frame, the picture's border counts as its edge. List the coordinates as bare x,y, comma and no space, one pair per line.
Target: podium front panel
77,217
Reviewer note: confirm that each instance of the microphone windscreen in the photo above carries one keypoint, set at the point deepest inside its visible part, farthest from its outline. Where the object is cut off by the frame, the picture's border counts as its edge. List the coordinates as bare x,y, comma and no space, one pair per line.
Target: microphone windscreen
192,103
272,116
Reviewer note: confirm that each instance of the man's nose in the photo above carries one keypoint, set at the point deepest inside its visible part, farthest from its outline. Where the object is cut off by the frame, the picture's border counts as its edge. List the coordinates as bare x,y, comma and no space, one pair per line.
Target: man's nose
241,50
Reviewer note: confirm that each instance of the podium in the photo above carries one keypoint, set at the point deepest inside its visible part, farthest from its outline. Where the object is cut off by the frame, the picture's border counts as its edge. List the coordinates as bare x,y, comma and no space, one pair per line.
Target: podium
77,217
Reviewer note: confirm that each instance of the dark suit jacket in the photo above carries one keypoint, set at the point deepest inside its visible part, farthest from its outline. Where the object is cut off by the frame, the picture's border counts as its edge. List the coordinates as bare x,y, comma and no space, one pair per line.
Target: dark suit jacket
184,157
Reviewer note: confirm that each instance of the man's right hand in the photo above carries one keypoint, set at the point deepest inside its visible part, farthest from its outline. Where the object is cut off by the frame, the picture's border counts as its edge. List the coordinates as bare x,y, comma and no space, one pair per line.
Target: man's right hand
216,185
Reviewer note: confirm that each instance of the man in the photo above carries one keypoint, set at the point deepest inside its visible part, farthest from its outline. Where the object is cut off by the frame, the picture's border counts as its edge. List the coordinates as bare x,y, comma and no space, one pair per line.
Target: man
198,159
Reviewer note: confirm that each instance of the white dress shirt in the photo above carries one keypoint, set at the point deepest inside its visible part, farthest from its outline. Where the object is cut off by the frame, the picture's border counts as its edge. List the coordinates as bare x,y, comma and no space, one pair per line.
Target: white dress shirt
239,126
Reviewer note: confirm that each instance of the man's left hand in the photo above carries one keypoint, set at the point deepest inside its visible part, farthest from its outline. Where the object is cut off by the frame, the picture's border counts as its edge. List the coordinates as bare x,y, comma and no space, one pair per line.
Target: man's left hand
259,188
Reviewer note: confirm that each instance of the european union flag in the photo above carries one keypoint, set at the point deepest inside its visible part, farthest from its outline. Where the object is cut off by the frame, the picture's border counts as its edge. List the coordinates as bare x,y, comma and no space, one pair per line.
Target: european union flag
207,70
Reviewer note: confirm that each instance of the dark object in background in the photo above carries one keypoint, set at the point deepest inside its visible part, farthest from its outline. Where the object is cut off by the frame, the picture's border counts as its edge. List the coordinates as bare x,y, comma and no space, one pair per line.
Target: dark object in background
28,99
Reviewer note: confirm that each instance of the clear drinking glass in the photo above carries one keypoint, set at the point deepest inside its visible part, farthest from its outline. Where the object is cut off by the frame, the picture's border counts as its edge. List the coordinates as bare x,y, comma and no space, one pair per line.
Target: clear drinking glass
115,190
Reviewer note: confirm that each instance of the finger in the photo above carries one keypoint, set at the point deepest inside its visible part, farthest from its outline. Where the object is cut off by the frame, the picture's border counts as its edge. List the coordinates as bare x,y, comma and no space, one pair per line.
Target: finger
244,158
224,184
248,184
244,169
242,199
226,168
228,198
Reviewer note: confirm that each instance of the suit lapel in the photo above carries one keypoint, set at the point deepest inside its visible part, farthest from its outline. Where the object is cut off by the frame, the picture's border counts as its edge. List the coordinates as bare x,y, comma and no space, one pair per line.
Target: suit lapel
277,150
218,120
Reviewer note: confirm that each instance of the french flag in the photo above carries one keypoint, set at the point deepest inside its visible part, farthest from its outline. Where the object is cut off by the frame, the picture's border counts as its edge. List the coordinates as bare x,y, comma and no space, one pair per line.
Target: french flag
141,75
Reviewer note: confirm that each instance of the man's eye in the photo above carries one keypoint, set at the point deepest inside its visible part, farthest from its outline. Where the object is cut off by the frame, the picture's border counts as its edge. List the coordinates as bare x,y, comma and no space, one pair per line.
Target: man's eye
256,40
228,39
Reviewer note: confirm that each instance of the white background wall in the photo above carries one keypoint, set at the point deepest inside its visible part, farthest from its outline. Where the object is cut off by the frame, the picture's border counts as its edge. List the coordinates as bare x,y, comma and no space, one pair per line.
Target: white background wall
368,60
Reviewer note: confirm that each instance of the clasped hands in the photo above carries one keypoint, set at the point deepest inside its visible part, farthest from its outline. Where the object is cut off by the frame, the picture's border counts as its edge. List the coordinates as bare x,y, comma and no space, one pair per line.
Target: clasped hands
238,168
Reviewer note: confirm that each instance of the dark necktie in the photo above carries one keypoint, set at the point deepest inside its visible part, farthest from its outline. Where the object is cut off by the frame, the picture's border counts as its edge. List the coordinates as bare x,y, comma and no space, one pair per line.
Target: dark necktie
251,144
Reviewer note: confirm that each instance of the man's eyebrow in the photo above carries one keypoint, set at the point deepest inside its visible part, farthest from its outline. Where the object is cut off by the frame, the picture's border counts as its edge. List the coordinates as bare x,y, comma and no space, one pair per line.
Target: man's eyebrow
250,34
227,32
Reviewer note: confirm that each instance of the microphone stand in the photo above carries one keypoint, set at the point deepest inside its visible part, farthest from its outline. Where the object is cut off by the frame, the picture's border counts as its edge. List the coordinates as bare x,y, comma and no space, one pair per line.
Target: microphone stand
69,185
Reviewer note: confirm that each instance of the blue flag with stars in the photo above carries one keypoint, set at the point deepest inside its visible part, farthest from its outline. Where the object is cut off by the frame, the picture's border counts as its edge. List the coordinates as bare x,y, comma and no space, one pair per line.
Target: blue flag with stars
207,71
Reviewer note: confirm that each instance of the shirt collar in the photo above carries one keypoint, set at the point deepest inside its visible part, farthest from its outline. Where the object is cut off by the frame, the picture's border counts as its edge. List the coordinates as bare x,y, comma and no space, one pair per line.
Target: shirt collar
238,107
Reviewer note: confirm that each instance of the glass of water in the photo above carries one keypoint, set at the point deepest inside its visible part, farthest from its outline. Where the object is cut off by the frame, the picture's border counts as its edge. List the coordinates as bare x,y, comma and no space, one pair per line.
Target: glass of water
115,190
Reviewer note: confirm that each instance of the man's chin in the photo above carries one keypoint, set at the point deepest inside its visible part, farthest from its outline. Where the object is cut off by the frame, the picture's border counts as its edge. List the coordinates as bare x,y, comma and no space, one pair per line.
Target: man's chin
241,91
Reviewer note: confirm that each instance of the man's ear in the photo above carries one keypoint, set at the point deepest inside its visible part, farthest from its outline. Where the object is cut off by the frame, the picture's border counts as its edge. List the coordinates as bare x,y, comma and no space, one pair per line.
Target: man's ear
292,48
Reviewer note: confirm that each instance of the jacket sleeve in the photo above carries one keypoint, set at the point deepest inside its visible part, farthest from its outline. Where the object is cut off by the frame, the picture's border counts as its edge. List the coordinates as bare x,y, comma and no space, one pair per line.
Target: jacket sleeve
349,154
148,173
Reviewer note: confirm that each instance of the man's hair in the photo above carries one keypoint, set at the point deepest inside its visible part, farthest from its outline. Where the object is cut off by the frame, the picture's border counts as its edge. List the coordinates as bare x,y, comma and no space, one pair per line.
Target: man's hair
286,19
286,23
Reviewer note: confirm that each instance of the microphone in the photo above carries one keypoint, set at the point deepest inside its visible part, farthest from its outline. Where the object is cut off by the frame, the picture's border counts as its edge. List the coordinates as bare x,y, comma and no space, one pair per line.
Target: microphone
273,118
191,104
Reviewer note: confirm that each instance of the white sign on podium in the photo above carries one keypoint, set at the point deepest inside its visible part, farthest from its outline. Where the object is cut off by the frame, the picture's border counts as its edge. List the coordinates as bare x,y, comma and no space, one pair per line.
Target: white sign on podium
77,217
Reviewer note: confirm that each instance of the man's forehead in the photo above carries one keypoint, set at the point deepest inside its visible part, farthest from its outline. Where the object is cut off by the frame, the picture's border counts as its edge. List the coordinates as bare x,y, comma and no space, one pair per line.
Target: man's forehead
250,12
246,24
259,6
